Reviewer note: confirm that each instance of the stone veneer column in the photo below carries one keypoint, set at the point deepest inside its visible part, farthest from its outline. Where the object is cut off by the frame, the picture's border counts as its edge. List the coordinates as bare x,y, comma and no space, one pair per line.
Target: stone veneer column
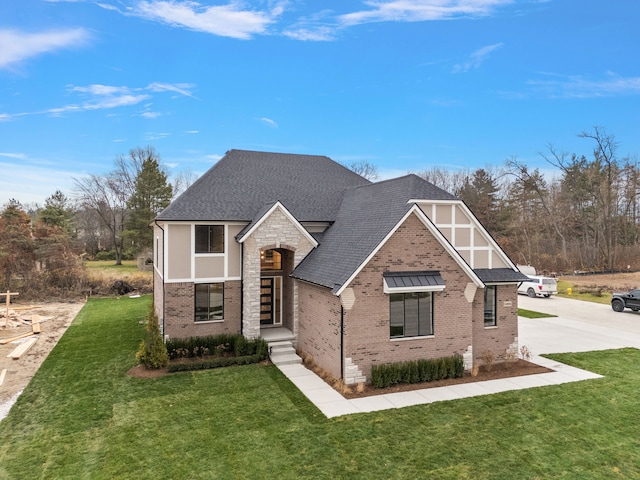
275,231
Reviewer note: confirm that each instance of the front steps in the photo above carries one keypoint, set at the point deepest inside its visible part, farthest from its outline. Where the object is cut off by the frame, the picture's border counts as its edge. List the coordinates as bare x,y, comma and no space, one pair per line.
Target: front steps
283,353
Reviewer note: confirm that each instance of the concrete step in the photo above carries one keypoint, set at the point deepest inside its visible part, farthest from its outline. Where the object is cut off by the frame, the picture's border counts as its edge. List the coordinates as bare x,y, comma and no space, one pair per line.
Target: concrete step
281,352
286,359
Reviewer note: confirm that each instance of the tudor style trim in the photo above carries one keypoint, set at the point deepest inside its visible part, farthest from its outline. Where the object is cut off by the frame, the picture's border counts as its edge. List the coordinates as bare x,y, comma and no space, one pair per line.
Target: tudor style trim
476,223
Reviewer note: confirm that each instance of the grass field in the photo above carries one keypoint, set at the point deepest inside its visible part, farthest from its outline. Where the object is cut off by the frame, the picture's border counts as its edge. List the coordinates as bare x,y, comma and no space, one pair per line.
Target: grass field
82,417
563,286
523,312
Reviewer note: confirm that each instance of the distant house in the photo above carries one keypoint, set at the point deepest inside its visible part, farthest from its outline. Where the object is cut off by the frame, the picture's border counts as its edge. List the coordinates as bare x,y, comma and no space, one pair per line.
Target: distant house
358,273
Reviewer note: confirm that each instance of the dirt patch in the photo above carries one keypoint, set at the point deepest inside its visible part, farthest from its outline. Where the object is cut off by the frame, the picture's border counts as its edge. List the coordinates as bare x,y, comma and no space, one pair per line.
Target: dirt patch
56,318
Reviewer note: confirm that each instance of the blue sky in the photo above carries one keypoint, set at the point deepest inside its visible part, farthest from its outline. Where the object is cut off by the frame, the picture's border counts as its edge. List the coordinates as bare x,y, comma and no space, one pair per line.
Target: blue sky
403,84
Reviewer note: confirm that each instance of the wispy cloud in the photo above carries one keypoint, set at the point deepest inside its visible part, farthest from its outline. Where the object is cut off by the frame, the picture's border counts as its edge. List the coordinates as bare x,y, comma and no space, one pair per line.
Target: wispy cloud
17,156
420,10
229,20
321,33
99,97
476,59
192,132
181,88
269,122
577,86
17,46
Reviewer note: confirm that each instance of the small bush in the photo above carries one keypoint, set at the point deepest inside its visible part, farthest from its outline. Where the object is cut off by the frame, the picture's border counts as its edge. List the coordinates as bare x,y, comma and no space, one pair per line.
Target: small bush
152,352
526,353
418,371
488,359
224,345
105,255
214,362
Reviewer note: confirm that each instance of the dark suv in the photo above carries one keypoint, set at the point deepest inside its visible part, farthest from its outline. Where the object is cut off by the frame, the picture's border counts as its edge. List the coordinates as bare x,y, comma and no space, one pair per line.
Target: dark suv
631,300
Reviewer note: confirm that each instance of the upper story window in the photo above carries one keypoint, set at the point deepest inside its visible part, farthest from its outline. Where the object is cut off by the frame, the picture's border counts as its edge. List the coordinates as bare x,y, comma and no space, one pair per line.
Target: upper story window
209,238
490,302
270,260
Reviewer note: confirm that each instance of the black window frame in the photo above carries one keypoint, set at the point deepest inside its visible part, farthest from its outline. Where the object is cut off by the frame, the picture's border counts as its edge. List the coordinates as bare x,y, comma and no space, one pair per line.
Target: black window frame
491,313
211,313
414,327
206,237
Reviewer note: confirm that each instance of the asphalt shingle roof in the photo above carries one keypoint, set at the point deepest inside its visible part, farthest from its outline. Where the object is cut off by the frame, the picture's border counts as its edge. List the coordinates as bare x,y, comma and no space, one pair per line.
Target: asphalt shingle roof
243,181
367,214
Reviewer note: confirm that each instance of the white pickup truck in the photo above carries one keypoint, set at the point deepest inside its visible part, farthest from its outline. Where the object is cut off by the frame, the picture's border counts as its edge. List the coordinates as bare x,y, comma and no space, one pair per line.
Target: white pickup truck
538,286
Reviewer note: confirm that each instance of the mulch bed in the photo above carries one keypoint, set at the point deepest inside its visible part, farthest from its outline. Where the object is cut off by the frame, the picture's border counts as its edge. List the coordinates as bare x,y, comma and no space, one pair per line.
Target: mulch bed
499,370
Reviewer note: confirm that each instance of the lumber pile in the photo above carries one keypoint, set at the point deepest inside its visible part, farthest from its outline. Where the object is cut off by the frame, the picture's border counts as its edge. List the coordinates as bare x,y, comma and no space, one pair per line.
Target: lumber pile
22,348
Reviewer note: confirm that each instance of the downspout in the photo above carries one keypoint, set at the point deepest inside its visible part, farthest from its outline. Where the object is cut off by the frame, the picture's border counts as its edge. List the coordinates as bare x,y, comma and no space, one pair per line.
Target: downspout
241,289
164,292
342,341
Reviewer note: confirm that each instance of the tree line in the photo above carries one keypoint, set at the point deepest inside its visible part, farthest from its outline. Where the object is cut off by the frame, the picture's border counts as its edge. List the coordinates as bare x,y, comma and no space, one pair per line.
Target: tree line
108,217
585,218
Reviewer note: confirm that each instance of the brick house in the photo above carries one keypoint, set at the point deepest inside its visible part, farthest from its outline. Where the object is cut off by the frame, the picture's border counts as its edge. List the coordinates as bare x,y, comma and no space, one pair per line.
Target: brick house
356,273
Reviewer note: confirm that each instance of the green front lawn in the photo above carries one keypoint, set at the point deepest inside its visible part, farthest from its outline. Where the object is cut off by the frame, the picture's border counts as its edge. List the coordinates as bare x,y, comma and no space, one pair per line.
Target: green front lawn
83,417
523,312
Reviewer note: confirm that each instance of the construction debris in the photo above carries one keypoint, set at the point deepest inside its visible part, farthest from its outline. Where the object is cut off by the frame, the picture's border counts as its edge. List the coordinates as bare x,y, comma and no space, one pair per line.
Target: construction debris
22,348
8,296
2,375
4,341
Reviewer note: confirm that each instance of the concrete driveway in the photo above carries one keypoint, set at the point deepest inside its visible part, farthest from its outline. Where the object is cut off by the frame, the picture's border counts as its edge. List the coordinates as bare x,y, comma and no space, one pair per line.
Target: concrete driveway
579,326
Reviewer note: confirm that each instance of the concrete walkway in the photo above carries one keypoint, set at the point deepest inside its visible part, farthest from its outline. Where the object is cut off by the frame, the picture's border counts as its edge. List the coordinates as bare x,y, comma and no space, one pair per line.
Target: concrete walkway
579,327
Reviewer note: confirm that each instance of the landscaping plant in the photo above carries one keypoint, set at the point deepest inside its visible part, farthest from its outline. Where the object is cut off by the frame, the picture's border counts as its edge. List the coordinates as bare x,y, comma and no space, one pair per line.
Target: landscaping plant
152,352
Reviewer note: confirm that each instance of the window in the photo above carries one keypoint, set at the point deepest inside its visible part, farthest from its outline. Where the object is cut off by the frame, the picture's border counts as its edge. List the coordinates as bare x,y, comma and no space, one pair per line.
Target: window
270,260
490,302
209,301
209,238
411,314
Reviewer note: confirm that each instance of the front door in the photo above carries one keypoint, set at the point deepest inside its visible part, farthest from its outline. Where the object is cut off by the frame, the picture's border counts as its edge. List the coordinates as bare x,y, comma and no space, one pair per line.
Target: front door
270,300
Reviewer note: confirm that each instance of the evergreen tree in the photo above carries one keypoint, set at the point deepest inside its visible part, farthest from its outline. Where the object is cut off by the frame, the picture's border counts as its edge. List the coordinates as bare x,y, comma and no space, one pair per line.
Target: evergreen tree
152,352
152,193
58,213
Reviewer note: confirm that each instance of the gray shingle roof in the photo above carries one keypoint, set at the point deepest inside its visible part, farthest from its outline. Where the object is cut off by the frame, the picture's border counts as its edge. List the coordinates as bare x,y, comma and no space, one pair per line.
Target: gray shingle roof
500,275
367,214
242,182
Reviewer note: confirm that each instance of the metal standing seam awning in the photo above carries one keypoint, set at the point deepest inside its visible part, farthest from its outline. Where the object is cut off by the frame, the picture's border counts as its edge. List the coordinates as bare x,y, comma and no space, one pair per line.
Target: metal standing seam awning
422,281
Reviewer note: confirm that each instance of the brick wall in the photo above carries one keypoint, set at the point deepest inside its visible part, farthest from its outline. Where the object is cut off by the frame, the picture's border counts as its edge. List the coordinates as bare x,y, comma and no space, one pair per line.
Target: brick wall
179,311
411,248
498,338
319,326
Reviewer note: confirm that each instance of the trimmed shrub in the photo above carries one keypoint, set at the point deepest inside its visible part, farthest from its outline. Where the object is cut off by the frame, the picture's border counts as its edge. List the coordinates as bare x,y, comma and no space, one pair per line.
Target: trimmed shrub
418,371
214,362
224,345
